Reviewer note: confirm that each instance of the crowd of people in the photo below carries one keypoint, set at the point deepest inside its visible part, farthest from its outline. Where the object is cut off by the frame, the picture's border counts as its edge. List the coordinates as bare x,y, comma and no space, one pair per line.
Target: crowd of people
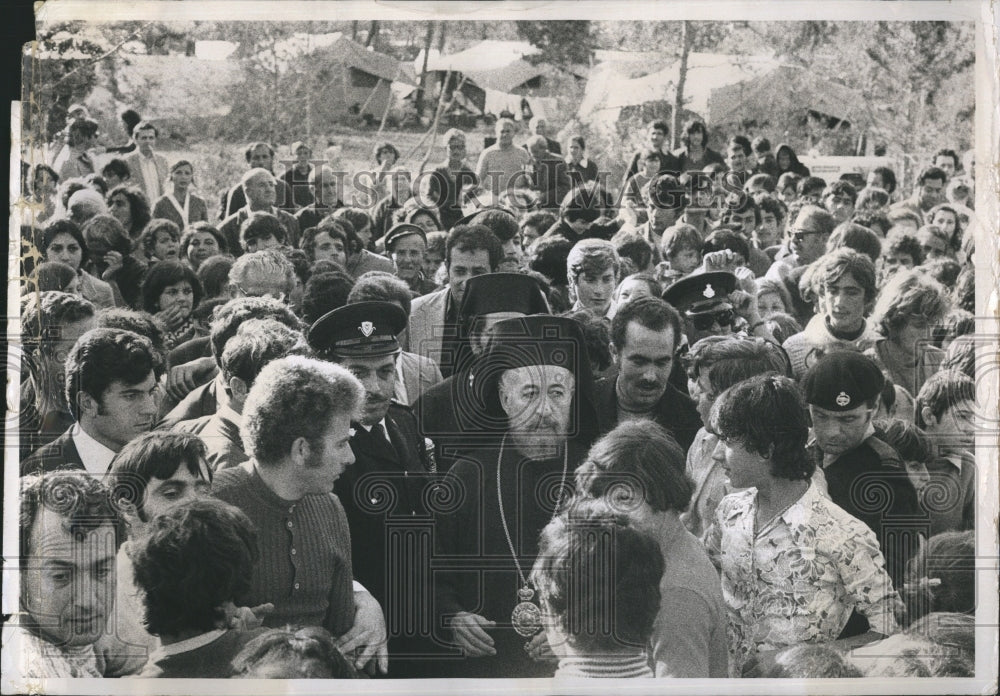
503,420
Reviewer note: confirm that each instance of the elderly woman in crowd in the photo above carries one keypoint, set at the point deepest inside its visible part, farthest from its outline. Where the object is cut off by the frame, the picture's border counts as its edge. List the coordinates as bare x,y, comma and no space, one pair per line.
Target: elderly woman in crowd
110,257
794,565
131,207
62,241
201,241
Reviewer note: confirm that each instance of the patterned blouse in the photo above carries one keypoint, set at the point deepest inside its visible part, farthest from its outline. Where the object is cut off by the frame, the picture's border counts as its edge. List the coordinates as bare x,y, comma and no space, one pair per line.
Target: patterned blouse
798,578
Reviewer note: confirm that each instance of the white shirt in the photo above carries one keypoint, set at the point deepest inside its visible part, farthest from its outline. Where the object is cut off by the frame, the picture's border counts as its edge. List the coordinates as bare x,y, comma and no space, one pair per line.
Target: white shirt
96,457
150,176
399,392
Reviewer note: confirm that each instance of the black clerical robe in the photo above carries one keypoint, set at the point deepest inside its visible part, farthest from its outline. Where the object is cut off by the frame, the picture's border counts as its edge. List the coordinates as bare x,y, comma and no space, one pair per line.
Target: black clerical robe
473,566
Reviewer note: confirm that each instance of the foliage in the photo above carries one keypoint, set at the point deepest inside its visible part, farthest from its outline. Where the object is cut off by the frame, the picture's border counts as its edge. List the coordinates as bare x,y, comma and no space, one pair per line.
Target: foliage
59,69
563,43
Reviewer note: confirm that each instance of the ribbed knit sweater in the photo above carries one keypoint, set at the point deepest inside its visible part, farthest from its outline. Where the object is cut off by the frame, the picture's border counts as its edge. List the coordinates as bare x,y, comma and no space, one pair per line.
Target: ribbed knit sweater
305,552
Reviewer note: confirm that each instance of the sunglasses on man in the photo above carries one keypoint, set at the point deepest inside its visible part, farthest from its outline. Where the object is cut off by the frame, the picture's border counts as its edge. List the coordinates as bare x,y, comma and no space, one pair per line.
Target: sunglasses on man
704,322
799,235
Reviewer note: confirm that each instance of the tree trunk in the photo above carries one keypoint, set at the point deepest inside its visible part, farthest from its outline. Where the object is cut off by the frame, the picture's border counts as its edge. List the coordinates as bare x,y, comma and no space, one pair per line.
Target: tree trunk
423,70
372,33
686,40
354,30
442,33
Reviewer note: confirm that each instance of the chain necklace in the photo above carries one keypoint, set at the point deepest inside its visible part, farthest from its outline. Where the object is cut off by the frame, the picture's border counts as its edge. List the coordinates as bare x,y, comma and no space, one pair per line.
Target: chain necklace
526,618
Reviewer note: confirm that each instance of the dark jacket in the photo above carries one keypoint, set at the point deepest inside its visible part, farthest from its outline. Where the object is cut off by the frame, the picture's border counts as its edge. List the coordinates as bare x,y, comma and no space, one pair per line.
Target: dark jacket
60,454
386,497
549,179
668,163
795,166
200,402
675,411
871,483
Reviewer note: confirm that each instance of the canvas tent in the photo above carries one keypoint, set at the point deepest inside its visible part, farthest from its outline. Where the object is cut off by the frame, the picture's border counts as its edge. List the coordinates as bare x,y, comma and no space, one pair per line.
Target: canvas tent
363,81
497,77
618,83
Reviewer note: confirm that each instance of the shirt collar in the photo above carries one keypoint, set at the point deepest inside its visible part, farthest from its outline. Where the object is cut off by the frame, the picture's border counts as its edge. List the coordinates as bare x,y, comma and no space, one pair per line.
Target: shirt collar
186,645
226,411
96,457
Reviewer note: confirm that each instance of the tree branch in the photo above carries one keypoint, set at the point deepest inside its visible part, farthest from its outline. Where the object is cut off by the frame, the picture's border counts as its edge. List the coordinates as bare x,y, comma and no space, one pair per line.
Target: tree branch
106,55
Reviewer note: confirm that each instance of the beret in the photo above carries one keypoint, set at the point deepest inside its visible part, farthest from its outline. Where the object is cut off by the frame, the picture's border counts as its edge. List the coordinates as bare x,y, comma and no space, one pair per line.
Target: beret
842,380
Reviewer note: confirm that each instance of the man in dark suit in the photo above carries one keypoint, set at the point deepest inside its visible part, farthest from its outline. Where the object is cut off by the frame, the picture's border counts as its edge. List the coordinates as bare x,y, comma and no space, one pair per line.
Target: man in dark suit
644,337
383,492
540,127
260,189
258,155
112,391
547,177
658,133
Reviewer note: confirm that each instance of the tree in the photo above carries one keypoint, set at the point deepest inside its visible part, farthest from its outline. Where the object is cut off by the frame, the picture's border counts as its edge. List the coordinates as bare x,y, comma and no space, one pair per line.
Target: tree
421,90
687,38
60,69
562,43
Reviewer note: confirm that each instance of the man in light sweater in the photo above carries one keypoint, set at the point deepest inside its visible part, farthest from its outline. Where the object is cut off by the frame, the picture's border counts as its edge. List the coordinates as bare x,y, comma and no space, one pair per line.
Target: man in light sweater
501,163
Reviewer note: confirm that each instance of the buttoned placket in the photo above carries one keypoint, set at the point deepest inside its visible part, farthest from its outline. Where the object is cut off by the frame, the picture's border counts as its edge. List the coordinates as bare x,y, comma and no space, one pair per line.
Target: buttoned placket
290,524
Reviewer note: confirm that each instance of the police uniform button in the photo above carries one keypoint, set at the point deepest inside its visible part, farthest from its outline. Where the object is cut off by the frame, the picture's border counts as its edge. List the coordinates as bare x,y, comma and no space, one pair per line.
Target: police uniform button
296,586
289,524
293,552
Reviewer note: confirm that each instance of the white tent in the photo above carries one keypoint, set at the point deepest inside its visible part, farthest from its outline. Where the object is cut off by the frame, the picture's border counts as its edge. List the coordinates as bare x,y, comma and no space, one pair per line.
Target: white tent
618,83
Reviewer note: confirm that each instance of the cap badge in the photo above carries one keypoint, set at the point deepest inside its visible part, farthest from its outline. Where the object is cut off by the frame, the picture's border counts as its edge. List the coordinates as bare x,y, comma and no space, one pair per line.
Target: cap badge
843,399
367,328
709,292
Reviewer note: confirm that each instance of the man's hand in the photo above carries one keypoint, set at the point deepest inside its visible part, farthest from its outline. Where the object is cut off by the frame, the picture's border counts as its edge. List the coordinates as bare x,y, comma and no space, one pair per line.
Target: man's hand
471,636
183,379
538,648
246,618
745,304
723,260
367,638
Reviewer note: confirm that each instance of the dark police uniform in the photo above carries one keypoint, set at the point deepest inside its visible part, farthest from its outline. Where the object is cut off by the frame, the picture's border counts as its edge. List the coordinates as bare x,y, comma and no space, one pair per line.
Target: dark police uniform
385,491
869,481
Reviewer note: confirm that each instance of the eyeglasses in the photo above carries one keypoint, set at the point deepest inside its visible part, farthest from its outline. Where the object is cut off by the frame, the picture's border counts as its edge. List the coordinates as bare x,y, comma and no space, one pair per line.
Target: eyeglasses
799,235
279,296
704,322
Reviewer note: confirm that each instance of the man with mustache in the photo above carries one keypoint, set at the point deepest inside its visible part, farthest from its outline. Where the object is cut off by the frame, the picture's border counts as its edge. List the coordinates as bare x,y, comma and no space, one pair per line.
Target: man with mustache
383,491
535,382
645,334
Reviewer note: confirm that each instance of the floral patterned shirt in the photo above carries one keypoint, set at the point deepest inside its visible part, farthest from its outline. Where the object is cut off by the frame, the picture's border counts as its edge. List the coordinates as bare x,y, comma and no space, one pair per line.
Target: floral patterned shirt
798,578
